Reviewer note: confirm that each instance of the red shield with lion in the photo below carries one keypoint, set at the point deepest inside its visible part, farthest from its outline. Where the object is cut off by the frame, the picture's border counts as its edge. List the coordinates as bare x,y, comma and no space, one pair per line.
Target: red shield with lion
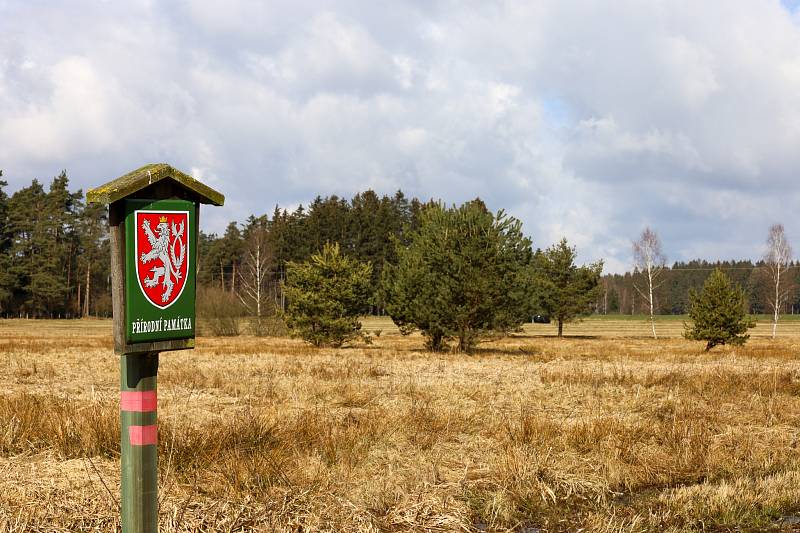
162,252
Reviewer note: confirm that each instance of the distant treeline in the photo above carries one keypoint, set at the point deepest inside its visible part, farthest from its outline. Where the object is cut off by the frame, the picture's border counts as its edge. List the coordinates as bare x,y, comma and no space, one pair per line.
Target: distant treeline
54,257
364,227
671,297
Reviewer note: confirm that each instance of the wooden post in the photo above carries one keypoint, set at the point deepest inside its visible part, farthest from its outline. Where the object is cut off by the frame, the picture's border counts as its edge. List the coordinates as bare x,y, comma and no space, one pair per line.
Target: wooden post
139,439
156,207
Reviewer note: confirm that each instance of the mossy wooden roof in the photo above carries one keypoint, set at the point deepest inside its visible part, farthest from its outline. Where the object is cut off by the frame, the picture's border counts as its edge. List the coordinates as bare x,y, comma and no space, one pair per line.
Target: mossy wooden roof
147,175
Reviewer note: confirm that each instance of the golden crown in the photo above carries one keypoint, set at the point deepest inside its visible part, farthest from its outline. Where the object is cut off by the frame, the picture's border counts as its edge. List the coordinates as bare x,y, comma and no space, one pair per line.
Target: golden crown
162,219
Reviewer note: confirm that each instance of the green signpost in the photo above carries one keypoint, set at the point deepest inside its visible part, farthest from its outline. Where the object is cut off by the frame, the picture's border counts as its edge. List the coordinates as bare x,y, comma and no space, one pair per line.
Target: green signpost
153,219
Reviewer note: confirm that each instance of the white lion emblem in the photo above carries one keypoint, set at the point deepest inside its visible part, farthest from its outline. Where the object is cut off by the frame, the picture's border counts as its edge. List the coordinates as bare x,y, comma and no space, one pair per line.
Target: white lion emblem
163,249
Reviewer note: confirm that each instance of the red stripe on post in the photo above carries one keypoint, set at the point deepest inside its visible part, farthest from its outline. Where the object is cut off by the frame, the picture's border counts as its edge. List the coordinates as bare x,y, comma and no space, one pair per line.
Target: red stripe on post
138,402
143,435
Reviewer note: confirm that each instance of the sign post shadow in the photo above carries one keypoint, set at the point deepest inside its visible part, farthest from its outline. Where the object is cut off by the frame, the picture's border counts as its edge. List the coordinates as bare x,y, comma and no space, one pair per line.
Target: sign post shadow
153,220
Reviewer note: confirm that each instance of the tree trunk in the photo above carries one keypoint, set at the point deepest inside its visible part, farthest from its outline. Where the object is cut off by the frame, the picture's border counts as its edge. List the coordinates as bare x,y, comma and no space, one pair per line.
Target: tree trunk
777,302
464,341
69,276
86,299
283,295
650,289
560,328
435,342
221,276
258,282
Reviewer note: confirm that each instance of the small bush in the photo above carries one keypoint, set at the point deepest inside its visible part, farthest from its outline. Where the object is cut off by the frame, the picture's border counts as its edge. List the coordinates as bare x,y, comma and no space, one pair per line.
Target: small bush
326,296
718,313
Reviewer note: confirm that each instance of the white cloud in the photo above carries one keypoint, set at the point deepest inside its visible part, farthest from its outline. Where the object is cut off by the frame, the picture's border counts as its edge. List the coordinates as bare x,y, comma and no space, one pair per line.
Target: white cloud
583,119
76,117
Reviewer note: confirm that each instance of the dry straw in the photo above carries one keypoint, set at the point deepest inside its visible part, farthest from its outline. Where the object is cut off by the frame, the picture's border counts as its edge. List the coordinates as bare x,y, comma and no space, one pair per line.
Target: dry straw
604,433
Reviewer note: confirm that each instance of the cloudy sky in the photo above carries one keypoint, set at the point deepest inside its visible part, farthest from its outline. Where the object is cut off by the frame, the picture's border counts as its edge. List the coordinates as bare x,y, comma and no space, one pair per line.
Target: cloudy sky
585,119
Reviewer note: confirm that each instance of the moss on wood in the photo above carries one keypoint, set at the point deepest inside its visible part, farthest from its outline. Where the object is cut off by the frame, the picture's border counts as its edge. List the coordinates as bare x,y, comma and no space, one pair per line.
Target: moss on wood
140,178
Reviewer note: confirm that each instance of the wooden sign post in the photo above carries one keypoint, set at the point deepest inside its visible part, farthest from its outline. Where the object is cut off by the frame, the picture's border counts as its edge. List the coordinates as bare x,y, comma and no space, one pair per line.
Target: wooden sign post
153,217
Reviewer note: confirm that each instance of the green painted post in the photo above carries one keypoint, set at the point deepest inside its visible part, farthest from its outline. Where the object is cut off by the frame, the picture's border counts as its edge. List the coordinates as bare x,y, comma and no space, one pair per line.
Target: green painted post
139,425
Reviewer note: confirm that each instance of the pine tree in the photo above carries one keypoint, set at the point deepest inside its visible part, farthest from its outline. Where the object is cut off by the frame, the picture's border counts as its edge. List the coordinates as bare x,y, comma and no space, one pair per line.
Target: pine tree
205,275
26,214
277,237
326,295
565,291
40,241
6,279
4,238
464,273
613,301
299,241
92,267
223,255
367,235
328,221
374,221
718,312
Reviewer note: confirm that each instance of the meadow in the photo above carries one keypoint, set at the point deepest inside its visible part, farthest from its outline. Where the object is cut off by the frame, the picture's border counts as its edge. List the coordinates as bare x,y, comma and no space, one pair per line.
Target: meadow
604,430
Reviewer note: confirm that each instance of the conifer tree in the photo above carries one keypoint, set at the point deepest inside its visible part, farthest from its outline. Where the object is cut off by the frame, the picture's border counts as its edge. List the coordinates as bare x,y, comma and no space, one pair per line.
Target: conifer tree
223,255
26,213
4,240
6,279
327,222
92,266
718,312
277,237
298,236
205,275
464,273
325,297
565,291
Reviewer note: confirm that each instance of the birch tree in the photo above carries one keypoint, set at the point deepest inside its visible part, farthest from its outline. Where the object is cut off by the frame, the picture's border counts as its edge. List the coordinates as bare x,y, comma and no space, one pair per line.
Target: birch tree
650,261
254,271
776,262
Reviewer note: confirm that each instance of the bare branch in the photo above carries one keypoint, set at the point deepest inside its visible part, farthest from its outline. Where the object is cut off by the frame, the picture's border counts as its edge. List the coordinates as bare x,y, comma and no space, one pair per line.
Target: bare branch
255,272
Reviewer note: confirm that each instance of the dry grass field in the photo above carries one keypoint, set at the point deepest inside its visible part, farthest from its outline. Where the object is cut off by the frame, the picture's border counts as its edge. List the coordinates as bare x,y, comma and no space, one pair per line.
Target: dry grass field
605,430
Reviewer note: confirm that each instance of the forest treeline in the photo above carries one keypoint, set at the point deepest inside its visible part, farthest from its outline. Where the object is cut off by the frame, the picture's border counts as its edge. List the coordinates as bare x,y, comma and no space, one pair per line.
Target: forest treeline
620,294
54,257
